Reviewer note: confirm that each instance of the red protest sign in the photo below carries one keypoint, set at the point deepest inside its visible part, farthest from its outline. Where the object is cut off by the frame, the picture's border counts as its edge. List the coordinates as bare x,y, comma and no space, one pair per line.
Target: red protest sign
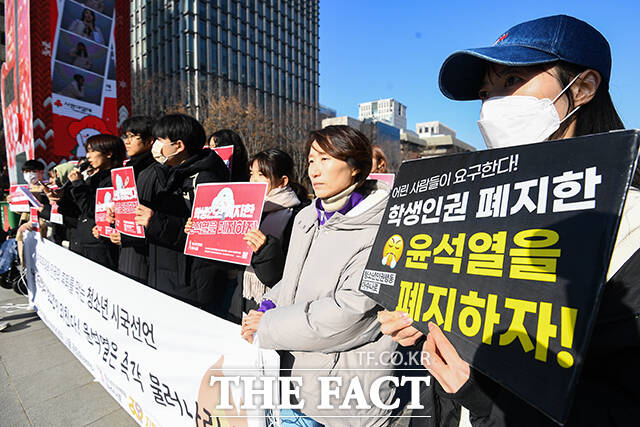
33,217
222,214
225,154
18,201
125,198
104,200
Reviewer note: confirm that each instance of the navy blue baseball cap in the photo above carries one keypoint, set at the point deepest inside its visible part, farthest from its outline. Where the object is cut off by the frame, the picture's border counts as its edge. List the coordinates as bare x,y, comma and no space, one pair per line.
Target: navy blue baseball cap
541,41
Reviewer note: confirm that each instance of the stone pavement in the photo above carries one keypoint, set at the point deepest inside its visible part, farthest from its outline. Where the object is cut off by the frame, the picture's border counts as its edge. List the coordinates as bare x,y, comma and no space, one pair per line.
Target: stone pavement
41,382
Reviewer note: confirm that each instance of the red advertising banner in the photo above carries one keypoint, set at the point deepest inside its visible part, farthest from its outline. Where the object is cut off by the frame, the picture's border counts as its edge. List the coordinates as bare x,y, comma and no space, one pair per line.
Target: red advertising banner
222,214
387,178
18,200
225,154
125,197
104,200
33,217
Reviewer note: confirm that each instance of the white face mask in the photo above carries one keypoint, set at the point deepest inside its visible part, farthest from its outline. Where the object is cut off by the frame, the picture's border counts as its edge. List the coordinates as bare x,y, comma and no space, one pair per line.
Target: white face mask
156,151
507,121
31,177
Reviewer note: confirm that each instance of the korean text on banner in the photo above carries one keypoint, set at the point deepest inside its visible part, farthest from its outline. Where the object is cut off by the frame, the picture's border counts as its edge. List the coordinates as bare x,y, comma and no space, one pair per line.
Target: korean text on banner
120,331
225,153
222,214
104,201
507,250
125,198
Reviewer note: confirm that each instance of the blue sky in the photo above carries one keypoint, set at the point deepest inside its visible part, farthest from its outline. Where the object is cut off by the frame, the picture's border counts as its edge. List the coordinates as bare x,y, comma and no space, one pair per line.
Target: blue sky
382,49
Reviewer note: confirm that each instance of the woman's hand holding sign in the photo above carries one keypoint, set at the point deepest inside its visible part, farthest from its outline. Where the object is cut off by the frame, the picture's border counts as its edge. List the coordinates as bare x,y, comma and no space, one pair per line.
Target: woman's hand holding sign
442,361
250,324
255,239
398,325
143,215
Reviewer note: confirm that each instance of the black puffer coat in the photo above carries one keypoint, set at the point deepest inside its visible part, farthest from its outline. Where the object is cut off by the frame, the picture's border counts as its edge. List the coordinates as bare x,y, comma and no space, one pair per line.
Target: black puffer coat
197,281
83,194
134,251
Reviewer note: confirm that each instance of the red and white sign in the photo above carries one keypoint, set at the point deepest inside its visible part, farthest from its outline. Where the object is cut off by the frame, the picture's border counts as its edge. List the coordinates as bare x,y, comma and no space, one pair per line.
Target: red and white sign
225,154
33,217
387,178
55,216
222,214
125,197
104,200
19,201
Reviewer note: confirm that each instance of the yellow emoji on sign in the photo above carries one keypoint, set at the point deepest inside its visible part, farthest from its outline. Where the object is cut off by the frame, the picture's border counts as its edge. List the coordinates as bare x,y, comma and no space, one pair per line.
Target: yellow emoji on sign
392,251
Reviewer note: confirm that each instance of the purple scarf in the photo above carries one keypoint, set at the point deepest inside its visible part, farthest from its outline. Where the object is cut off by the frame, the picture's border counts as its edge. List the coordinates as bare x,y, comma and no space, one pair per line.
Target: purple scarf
323,216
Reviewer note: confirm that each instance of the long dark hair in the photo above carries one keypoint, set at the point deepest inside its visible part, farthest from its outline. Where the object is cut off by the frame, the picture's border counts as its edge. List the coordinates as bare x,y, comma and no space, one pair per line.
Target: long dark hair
107,144
275,163
240,158
598,115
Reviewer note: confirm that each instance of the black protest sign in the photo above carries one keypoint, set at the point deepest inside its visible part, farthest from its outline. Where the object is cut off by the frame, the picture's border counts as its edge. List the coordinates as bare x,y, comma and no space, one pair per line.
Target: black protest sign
507,250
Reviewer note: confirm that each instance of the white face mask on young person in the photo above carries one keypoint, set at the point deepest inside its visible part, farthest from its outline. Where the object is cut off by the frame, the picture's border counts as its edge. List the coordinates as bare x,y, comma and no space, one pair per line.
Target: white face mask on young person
507,121
31,177
156,151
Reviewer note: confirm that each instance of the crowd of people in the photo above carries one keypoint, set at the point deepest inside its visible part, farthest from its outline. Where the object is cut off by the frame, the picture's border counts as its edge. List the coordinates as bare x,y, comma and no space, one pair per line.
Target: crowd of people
544,79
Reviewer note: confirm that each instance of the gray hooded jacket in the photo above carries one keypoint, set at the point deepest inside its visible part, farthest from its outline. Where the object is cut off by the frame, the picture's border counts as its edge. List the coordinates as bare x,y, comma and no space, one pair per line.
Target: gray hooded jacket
323,320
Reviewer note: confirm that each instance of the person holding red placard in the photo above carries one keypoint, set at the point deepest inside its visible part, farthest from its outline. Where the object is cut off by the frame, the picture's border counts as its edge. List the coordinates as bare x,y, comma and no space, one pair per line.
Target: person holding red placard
317,312
104,152
165,206
138,138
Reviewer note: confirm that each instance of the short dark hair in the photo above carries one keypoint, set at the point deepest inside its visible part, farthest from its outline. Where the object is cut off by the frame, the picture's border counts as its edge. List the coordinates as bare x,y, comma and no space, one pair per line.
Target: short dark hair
181,127
240,158
107,144
347,144
33,165
138,125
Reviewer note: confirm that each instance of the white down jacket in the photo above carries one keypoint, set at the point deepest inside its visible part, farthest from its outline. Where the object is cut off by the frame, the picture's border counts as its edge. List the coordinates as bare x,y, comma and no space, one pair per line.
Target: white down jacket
328,326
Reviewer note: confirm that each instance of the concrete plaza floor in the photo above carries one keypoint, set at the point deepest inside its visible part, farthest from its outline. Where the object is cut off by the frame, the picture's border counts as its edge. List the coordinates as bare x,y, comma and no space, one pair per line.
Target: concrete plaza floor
41,381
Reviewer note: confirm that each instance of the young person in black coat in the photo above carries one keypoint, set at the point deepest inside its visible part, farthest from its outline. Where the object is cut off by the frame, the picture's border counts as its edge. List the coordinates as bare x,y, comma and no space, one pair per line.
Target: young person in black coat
165,206
134,252
104,152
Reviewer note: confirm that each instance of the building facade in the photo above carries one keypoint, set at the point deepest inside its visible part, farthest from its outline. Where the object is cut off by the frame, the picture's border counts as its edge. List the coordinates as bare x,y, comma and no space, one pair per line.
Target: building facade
387,110
440,140
264,53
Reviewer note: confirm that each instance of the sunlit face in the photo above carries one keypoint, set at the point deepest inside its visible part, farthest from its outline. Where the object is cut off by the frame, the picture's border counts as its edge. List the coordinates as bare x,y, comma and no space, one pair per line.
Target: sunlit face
392,250
134,144
212,142
98,160
329,176
256,176
501,80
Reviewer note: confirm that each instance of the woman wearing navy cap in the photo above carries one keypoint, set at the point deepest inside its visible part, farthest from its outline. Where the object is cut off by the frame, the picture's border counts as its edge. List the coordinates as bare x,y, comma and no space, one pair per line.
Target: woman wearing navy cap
541,80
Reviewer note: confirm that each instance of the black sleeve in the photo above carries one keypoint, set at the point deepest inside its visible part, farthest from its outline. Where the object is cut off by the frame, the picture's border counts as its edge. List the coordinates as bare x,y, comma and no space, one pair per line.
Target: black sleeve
85,197
268,262
472,396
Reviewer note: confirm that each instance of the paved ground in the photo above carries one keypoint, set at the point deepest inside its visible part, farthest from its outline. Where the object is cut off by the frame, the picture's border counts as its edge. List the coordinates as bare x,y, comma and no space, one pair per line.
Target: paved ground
41,382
